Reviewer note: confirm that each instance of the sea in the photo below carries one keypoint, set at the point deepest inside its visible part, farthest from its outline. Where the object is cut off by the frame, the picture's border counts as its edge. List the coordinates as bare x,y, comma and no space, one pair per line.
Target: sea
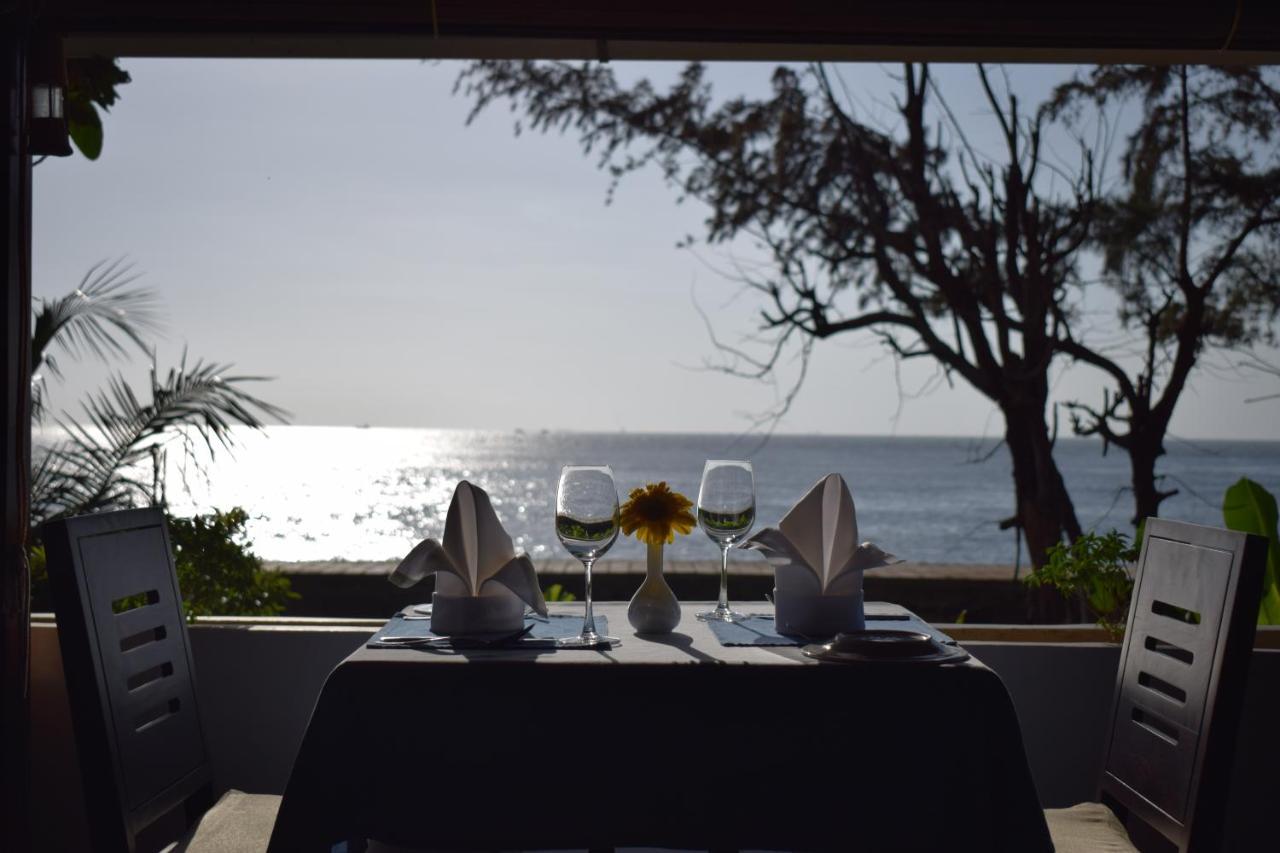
326,493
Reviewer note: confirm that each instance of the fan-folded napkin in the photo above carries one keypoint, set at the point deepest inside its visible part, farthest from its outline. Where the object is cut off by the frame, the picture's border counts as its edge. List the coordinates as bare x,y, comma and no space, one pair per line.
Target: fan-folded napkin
476,559
819,537
818,563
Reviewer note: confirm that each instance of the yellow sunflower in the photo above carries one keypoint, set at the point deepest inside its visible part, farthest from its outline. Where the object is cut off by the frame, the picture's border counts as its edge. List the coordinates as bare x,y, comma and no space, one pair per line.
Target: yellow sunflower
655,514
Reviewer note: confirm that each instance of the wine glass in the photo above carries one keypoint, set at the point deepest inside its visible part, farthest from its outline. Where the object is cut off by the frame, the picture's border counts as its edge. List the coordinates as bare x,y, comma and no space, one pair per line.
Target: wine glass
726,511
587,524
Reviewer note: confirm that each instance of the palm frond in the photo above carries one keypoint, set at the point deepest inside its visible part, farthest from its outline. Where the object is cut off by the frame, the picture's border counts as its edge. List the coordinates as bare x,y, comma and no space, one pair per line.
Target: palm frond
99,318
101,462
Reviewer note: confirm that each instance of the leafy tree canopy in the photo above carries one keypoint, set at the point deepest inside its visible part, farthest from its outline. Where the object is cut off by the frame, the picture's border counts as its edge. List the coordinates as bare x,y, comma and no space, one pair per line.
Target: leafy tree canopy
904,230
979,262
1190,241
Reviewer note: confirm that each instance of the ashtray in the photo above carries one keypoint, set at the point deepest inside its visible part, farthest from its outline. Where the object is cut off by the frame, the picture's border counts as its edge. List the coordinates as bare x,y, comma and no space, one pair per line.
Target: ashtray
883,646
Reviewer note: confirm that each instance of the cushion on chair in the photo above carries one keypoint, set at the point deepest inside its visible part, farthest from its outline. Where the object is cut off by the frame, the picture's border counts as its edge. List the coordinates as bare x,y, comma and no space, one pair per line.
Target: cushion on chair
1087,828
237,823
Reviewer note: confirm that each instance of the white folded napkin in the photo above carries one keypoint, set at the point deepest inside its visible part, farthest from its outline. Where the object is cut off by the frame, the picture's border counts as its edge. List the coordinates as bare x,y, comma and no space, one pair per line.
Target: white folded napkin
476,557
820,534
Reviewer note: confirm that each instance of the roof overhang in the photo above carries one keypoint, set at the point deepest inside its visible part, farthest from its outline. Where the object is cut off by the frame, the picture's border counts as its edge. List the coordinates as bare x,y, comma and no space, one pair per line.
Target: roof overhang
1149,31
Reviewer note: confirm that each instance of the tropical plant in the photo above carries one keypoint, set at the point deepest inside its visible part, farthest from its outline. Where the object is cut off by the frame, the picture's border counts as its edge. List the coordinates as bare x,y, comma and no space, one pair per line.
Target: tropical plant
1093,570
218,573
100,460
1248,507
97,319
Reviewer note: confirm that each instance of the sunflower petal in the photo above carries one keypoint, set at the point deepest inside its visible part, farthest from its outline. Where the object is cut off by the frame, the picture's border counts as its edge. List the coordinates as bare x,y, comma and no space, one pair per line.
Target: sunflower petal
655,514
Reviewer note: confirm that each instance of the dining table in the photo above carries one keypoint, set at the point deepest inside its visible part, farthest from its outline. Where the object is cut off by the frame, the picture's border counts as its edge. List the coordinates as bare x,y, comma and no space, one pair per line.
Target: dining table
677,740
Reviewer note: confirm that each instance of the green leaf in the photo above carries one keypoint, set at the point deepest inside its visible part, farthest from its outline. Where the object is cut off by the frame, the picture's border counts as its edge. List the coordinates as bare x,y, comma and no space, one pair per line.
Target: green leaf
91,85
85,127
218,573
1249,508
556,592
1094,569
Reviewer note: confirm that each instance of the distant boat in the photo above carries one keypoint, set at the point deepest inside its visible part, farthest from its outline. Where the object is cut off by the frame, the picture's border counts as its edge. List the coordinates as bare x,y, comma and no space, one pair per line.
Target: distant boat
362,426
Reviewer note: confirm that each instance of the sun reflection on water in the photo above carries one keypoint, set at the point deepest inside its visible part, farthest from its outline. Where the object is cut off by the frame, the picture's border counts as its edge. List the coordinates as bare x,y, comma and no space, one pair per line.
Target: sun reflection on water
322,493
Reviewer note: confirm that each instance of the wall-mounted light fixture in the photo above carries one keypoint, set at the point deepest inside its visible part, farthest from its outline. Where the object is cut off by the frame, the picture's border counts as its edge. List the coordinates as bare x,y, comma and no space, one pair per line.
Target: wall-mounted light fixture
47,81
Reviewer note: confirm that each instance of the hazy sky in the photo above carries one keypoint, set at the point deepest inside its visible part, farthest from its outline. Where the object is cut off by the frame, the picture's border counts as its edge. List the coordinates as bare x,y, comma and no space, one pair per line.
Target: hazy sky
336,225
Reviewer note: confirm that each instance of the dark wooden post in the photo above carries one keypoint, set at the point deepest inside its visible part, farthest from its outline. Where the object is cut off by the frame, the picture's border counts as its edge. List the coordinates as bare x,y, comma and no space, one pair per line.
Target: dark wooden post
15,434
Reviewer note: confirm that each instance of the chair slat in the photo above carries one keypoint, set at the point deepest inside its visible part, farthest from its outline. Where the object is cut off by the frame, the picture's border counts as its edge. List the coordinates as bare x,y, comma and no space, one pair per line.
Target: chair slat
143,618
1145,759
1166,684
146,656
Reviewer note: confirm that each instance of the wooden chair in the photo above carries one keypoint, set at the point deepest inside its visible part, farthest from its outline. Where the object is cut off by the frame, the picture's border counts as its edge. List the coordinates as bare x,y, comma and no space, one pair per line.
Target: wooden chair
1179,693
130,680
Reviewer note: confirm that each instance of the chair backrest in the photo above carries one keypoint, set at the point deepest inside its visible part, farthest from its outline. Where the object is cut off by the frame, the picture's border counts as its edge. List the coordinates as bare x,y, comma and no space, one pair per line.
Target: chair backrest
1180,687
127,660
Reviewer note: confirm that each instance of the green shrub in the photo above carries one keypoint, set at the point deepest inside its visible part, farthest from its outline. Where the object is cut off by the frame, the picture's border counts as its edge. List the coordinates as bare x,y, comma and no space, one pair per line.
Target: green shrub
218,573
1095,570
557,592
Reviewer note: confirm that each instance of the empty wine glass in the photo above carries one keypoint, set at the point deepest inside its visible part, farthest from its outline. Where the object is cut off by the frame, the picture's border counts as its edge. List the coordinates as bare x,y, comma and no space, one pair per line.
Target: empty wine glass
587,524
726,511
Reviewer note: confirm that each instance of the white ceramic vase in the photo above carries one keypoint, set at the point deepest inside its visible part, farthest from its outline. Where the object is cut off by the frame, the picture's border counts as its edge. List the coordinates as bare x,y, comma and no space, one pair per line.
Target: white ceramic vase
654,608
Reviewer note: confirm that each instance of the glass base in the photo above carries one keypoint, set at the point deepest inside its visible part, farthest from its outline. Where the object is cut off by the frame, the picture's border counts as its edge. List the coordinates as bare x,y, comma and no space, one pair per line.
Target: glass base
720,614
587,641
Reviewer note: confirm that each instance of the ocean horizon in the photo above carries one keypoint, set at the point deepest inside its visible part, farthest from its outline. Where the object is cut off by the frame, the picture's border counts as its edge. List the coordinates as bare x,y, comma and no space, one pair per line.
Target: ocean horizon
371,493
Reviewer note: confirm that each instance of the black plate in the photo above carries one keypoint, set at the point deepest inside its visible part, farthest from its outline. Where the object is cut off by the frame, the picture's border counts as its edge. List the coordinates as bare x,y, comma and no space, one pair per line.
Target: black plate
885,647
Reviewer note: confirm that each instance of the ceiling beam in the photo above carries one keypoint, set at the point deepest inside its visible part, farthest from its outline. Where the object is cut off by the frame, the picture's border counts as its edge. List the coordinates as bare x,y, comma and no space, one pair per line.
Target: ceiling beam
426,47
1224,32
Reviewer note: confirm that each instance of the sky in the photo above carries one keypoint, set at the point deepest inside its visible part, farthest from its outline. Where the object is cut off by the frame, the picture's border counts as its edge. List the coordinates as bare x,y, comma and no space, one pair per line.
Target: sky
338,226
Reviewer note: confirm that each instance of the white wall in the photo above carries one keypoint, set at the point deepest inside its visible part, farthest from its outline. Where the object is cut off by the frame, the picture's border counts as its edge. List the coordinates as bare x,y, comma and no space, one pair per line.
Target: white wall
1063,697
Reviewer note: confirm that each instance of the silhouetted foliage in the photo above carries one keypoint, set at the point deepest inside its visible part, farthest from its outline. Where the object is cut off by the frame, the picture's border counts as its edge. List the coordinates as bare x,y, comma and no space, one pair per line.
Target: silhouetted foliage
906,232
946,253
96,319
112,455
91,86
1191,242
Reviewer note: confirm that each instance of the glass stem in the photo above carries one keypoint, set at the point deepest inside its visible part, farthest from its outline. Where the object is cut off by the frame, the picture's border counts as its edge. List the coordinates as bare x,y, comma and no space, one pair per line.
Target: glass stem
723,604
589,621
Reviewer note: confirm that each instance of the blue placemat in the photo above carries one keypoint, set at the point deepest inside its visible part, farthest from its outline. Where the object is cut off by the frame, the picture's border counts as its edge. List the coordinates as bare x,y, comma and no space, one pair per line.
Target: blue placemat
552,627
760,630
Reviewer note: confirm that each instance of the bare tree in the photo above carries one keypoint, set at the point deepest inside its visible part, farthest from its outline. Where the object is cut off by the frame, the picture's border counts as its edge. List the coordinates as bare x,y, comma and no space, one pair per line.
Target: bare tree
905,232
1257,364
1190,243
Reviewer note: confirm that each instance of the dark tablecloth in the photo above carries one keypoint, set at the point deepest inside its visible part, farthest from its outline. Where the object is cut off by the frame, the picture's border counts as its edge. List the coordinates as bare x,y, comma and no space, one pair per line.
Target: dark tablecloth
678,742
